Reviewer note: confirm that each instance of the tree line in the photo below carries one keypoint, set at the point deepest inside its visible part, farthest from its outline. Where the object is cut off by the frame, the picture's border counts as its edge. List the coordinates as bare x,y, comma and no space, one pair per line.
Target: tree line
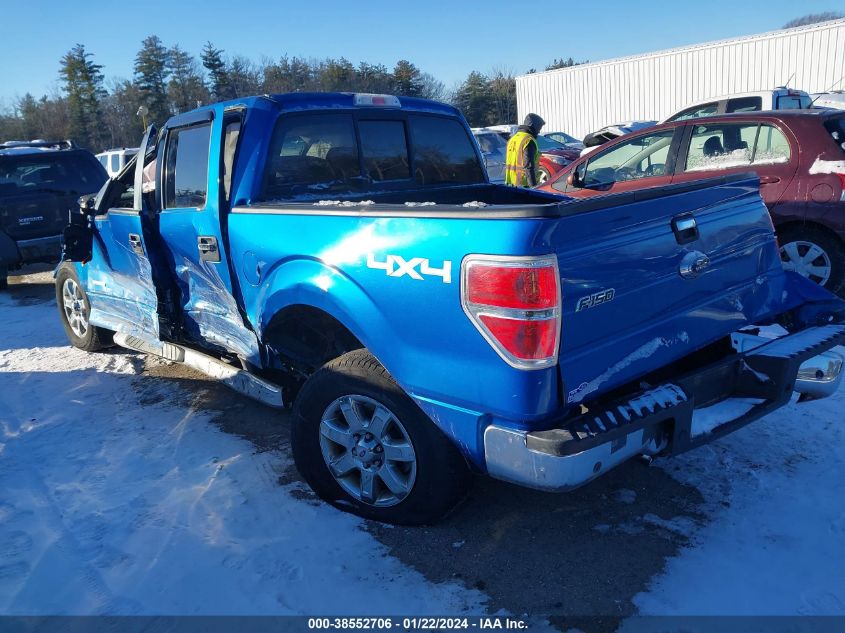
169,80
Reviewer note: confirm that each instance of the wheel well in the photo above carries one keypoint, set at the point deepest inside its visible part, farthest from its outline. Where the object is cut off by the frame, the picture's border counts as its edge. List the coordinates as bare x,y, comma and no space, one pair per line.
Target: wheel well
800,225
305,338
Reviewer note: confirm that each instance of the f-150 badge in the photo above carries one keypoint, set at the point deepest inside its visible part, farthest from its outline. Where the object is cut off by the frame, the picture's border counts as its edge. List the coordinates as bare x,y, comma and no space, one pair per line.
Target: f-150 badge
595,299
415,268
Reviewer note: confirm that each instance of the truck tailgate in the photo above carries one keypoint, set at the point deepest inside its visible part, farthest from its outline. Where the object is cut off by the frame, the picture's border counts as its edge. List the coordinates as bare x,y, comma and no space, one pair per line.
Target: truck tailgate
649,278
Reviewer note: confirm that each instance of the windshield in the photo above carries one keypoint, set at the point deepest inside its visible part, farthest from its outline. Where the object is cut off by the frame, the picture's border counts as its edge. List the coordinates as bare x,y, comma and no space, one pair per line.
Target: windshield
69,173
490,143
545,144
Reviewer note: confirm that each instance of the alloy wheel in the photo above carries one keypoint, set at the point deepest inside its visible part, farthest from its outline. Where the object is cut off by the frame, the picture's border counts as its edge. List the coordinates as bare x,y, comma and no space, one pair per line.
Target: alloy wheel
73,304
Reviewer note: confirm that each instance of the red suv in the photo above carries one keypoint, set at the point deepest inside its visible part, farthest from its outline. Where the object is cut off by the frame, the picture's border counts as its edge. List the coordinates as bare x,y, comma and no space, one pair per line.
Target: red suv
798,154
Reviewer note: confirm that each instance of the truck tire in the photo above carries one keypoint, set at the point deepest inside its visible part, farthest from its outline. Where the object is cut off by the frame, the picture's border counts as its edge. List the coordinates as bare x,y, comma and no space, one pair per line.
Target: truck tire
74,311
815,254
389,461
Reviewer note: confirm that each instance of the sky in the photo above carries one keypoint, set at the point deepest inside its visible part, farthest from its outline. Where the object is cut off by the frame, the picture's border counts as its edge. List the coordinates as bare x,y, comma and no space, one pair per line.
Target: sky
446,39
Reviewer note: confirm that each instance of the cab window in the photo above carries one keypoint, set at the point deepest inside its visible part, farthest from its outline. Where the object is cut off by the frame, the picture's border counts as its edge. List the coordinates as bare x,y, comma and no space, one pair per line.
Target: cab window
311,154
641,157
384,149
186,167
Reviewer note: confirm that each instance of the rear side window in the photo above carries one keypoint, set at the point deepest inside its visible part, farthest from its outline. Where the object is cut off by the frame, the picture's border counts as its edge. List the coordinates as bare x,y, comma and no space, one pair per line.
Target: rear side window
311,154
384,149
115,163
744,104
186,170
443,152
728,145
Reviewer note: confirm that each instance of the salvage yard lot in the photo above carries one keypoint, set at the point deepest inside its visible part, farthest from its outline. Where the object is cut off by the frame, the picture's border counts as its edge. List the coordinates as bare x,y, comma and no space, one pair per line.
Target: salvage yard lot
131,486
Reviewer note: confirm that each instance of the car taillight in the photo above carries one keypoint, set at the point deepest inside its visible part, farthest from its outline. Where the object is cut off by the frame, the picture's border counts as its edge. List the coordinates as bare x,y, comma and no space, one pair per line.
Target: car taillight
515,303
842,181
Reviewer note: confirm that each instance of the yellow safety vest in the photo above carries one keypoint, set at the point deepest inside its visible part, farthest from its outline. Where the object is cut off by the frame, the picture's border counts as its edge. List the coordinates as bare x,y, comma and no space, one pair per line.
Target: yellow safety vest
516,169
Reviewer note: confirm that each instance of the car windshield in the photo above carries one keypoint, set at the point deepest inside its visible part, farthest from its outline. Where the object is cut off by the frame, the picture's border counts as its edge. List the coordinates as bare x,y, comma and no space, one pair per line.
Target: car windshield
545,144
67,173
490,143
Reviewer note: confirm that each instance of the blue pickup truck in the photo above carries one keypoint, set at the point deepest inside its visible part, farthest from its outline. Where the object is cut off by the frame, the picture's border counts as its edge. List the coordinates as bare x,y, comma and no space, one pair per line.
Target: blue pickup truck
346,255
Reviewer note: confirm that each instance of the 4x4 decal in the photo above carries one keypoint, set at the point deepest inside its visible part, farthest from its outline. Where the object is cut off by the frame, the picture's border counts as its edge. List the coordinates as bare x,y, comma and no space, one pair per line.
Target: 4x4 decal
415,268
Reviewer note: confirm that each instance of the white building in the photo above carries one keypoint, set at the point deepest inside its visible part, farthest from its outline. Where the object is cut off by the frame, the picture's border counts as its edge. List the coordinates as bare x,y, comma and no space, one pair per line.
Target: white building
584,98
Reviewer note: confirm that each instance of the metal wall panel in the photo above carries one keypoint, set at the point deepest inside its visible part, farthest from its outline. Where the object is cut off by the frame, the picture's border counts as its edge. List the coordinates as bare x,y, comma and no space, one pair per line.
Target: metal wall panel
585,98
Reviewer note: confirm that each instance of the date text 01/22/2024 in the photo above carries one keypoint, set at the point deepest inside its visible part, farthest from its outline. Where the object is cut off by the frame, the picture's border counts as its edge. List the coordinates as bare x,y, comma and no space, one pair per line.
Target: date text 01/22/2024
421,623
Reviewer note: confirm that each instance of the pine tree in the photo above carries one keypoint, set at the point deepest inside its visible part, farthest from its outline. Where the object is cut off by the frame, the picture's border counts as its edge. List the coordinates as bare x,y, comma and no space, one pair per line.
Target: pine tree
474,99
83,84
186,89
212,61
151,73
407,79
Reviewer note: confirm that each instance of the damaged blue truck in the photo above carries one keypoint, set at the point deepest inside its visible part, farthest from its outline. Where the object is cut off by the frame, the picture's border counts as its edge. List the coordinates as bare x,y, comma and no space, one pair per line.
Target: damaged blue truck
345,255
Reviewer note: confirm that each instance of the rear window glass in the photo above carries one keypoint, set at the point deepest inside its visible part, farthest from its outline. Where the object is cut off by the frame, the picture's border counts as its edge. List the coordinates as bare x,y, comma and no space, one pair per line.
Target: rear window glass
70,173
384,149
444,152
311,154
744,104
836,129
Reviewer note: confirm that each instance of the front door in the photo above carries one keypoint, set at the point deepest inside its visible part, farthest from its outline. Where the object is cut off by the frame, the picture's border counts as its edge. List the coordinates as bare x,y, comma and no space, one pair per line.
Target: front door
195,181
639,162
119,277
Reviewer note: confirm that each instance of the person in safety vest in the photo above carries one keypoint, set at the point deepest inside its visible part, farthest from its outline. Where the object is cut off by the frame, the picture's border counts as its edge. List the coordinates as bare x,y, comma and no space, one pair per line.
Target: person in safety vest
522,159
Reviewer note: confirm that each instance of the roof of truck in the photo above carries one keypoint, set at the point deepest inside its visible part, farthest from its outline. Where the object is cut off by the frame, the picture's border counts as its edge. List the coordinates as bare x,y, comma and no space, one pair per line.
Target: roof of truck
293,101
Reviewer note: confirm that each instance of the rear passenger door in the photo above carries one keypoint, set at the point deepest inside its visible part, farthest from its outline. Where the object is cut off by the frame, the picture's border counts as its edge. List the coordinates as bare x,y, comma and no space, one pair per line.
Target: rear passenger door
198,153
714,149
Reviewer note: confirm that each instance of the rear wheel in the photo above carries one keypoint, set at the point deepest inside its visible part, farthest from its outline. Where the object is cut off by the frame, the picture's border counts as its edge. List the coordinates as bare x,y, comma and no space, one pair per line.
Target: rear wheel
363,445
74,311
814,254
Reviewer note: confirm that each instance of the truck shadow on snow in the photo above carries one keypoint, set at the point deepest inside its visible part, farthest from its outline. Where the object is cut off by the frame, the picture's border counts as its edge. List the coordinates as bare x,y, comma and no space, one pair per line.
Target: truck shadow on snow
579,557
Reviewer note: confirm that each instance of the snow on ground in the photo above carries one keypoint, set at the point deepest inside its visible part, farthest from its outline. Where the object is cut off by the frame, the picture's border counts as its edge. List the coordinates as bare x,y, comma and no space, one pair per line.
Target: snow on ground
112,504
775,541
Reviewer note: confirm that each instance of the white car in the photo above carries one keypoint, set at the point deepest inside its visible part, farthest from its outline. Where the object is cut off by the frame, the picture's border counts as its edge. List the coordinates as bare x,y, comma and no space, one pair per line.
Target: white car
114,160
835,100
777,99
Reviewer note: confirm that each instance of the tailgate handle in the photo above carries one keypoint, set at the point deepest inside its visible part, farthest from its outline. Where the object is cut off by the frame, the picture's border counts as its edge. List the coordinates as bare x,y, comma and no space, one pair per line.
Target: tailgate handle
685,229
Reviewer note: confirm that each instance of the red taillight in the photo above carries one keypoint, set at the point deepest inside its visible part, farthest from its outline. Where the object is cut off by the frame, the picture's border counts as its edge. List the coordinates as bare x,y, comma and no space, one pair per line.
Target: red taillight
515,304
842,180
518,287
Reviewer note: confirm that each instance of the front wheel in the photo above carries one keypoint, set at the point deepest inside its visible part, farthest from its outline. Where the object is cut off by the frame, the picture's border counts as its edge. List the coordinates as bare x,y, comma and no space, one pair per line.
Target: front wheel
363,445
74,311
543,176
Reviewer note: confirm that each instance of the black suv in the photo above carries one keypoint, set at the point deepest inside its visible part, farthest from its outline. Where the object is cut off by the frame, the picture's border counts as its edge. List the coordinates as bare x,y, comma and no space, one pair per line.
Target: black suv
40,182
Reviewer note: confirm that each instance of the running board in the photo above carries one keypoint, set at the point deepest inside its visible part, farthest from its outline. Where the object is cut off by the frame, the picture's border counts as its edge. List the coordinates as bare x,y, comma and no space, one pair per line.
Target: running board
240,380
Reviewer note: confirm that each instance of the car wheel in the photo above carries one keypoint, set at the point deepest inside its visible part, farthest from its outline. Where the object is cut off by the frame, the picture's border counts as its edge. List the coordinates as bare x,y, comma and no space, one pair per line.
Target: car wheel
363,445
74,311
543,176
814,254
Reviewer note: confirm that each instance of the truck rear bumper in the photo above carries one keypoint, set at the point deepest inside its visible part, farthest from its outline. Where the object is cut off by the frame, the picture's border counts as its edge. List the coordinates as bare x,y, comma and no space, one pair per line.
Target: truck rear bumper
760,378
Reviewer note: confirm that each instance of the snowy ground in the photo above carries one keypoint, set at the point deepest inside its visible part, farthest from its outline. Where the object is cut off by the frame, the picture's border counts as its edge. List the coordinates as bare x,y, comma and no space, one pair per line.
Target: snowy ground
122,492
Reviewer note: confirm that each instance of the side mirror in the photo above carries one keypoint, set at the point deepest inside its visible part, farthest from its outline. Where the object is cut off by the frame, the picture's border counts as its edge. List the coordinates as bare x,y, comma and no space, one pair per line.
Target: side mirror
574,180
88,203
